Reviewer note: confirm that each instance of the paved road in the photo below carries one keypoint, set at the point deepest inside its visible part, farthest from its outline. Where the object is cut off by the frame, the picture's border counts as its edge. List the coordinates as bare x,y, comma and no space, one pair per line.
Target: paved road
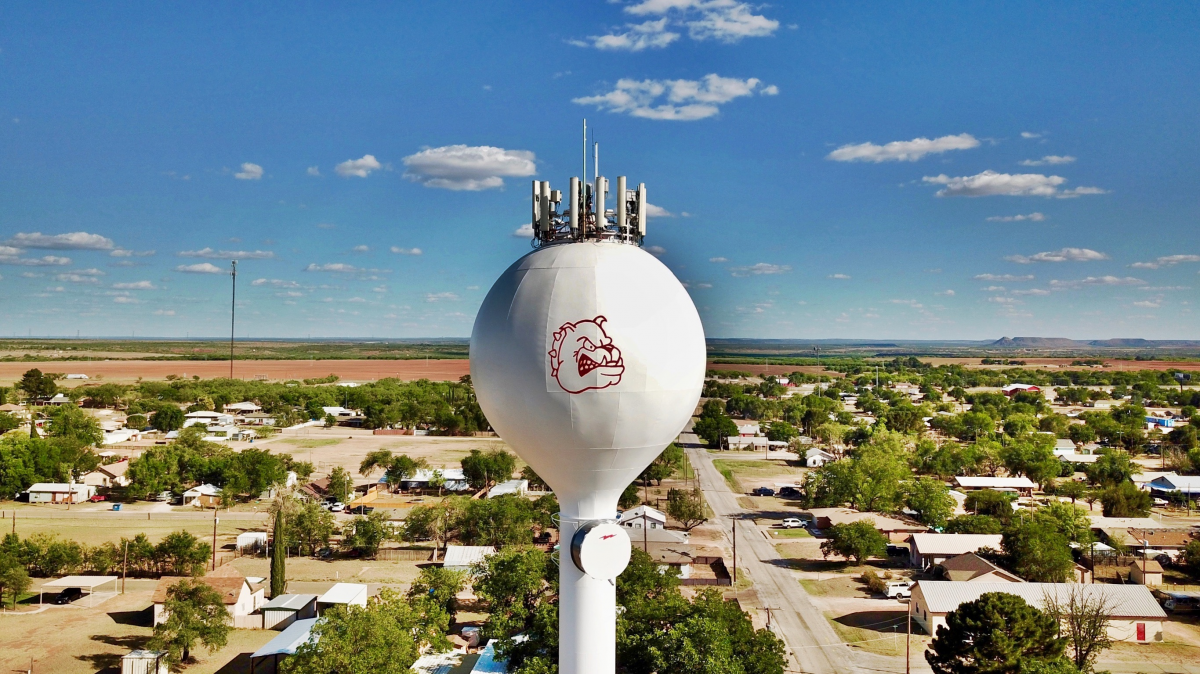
814,646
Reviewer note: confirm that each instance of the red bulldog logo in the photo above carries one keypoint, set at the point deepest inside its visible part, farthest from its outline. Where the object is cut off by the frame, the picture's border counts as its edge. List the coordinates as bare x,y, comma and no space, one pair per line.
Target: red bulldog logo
583,357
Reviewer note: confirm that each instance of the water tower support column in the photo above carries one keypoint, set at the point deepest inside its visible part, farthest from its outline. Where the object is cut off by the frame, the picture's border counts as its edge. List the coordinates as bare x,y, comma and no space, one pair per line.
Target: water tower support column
587,615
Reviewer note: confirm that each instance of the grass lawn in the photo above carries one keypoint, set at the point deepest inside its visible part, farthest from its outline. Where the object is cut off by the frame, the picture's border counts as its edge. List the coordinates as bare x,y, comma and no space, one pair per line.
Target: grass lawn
881,640
789,533
735,470
310,443
96,530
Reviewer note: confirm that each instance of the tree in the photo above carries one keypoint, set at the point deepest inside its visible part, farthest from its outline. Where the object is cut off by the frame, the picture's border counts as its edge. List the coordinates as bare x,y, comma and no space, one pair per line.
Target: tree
180,553
330,421
994,635
168,418
1081,434
686,507
859,540
1189,558
512,583
1114,467
630,497
714,429
195,612
8,422
974,524
278,558
1083,618
14,580
998,504
483,470
384,637
1126,500
780,431
68,422
341,485
308,527
439,586
1037,552
37,385
1072,489
364,535
930,499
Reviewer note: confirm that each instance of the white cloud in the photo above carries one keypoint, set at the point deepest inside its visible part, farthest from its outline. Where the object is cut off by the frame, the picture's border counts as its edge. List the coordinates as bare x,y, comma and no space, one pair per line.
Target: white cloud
441,297
1148,304
718,259
1033,217
1166,261
379,289
211,254
839,277
90,272
314,171
122,252
201,268
9,251
274,283
136,285
994,289
44,261
1097,281
911,303
470,168
164,312
525,231
360,168
336,267
361,248
676,100
945,293
653,211
249,172
1038,292
1048,159
76,278
760,269
704,286
1061,255
122,299
68,241
656,251
991,183
1004,300
1003,277
903,150
406,251
290,293
637,36
724,20
1030,134
356,300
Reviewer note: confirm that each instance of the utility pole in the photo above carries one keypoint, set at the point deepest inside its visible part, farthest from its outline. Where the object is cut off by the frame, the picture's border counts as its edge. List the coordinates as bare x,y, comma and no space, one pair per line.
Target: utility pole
817,349
214,542
735,551
124,565
232,315
908,642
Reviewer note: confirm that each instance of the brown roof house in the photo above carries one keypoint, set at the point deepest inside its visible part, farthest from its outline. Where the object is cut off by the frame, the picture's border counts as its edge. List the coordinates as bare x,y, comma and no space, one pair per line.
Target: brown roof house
896,530
971,568
926,550
241,597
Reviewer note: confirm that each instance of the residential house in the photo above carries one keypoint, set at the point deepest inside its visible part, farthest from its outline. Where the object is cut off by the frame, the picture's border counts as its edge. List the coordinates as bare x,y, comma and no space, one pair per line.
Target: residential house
243,408
1176,485
896,530
643,516
119,435
240,596
815,458
203,496
926,550
454,479
971,568
1013,389
207,418
1144,478
509,488
109,476
748,428
60,492
1135,614
258,419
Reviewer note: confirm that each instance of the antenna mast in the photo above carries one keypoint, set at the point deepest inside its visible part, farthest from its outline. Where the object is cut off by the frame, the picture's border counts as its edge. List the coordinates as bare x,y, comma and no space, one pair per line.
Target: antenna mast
232,316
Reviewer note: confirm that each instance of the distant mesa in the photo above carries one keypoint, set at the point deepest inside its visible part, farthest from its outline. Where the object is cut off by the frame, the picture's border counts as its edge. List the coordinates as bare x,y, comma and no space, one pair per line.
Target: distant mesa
1064,343
1038,342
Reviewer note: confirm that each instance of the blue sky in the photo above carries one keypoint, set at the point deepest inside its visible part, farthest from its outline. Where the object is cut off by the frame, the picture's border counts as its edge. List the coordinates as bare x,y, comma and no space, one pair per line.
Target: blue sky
898,170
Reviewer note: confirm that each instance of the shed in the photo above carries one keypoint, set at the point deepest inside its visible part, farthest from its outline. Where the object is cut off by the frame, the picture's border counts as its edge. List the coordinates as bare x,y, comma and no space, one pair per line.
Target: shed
343,593
1146,572
1022,484
266,659
252,540
1135,614
463,557
89,583
511,487
145,662
287,609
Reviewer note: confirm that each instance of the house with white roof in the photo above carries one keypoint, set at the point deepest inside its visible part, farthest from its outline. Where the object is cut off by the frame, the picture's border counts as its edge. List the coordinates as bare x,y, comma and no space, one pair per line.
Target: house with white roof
208,418
1187,485
60,492
509,488
1134,614
464,557
203,496
243,408
643,516
815,458
344,594
455,479
926,550
1020,484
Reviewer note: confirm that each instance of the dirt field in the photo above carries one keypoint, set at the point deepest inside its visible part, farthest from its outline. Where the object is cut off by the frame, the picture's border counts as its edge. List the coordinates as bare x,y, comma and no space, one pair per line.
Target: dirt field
127,371
326,448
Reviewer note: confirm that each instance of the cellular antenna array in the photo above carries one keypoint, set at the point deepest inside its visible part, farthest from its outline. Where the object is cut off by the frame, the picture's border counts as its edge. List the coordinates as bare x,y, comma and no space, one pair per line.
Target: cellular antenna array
586,216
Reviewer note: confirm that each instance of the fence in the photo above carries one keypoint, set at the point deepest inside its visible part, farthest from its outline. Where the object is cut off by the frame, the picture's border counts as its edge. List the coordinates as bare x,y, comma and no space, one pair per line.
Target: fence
405,555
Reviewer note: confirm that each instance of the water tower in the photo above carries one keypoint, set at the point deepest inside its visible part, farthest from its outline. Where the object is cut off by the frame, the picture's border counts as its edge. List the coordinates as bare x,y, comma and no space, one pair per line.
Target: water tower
588,358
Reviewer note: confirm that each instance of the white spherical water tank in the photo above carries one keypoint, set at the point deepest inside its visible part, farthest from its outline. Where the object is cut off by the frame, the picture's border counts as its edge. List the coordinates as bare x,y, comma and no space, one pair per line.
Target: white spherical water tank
588,358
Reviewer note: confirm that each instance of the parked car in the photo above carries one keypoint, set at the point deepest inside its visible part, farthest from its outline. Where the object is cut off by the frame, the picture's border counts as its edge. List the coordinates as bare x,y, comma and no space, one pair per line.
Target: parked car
763,491
789,492
361,510
68,595
1178,601
792,523
98,498
894,550
1161,502
337,507
166,497
899,589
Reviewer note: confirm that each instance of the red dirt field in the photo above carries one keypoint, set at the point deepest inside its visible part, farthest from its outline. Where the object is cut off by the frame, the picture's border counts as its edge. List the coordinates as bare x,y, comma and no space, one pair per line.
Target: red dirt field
348,370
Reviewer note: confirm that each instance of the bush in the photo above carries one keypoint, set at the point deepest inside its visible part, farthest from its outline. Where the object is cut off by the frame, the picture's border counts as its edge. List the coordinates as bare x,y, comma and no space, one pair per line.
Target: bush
876,583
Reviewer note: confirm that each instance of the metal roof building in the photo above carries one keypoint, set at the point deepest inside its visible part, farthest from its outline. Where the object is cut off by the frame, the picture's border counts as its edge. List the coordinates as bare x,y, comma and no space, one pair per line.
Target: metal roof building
927,550
266,659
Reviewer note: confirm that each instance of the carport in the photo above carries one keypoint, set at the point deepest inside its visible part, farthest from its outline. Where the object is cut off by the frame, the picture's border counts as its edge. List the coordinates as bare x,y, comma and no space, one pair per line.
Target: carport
89,583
